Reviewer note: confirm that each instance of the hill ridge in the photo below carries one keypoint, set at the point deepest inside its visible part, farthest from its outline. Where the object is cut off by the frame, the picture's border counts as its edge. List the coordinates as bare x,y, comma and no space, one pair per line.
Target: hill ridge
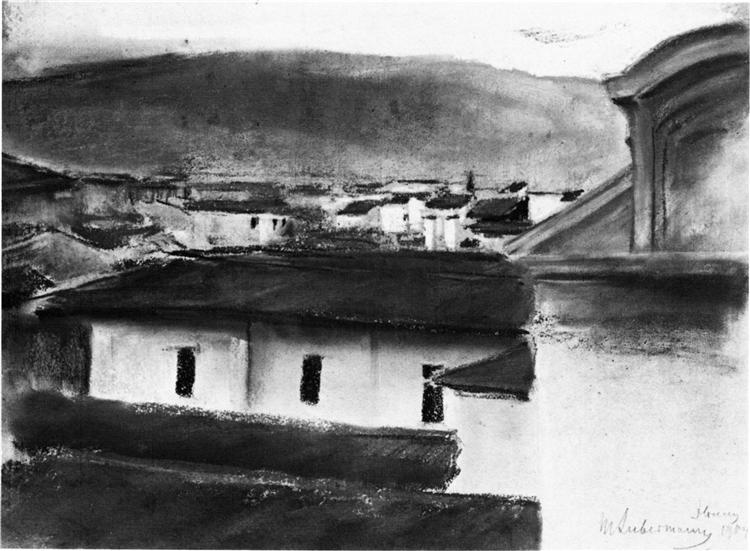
296,113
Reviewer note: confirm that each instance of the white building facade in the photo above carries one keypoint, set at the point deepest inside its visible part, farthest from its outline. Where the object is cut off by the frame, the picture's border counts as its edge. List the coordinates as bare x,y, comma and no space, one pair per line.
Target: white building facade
444,223
363,376
237,229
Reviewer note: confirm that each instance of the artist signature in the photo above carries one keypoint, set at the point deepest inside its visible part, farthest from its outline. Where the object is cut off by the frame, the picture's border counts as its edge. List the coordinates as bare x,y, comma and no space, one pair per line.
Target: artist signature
703,524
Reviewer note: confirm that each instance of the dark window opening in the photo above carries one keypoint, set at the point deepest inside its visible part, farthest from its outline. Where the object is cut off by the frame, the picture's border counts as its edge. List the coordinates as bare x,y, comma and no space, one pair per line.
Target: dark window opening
309,390
275,221
283,221
428,370
185,372
253,222
432,396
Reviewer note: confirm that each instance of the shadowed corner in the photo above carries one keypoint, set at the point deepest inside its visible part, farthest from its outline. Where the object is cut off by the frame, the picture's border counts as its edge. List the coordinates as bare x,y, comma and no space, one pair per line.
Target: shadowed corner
509,374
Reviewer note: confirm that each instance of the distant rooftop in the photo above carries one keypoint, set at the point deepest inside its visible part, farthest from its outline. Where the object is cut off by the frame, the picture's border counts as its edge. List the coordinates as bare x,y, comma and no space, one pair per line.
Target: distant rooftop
445,202
499,228
420,181
492,208
360,207
403,198
256,206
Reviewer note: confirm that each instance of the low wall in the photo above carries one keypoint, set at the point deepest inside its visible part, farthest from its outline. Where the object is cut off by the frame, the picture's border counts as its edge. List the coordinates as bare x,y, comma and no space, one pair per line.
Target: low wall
384,457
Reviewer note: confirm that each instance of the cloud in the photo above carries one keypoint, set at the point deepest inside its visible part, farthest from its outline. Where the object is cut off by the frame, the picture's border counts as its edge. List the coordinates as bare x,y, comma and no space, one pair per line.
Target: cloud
548,36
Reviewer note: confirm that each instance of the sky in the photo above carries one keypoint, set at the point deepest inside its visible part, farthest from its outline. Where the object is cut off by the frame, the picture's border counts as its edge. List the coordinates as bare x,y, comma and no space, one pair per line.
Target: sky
585,39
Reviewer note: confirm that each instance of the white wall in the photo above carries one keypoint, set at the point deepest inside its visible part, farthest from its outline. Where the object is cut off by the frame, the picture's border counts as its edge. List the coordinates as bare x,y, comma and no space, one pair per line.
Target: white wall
416,210
369,376
544,206
137,362
394,218
446,229
430,233
224,229
452,233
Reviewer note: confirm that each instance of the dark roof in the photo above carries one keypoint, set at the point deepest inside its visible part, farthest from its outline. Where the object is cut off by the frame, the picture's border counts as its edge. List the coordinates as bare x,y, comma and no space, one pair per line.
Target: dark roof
510,372
260,186
448,202
500,228
20,176
515,187
109,179
255,206
362,287
398,199
420,181
491,208
360,207
571,195
402,198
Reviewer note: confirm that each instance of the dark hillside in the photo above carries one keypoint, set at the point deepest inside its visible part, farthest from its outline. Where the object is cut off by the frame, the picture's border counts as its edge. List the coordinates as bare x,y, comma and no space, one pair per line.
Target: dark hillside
255,115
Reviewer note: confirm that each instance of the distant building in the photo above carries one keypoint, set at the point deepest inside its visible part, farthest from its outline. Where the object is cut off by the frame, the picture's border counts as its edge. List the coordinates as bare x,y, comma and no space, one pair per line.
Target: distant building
403,213
394,215
444,218
359,214
237,224
150,192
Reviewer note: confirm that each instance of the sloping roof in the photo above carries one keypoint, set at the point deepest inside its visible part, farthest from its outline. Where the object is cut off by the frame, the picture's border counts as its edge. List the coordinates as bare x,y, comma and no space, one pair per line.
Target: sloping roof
448,202
493,208
362,287
254,206
599,221
510,372
360,207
